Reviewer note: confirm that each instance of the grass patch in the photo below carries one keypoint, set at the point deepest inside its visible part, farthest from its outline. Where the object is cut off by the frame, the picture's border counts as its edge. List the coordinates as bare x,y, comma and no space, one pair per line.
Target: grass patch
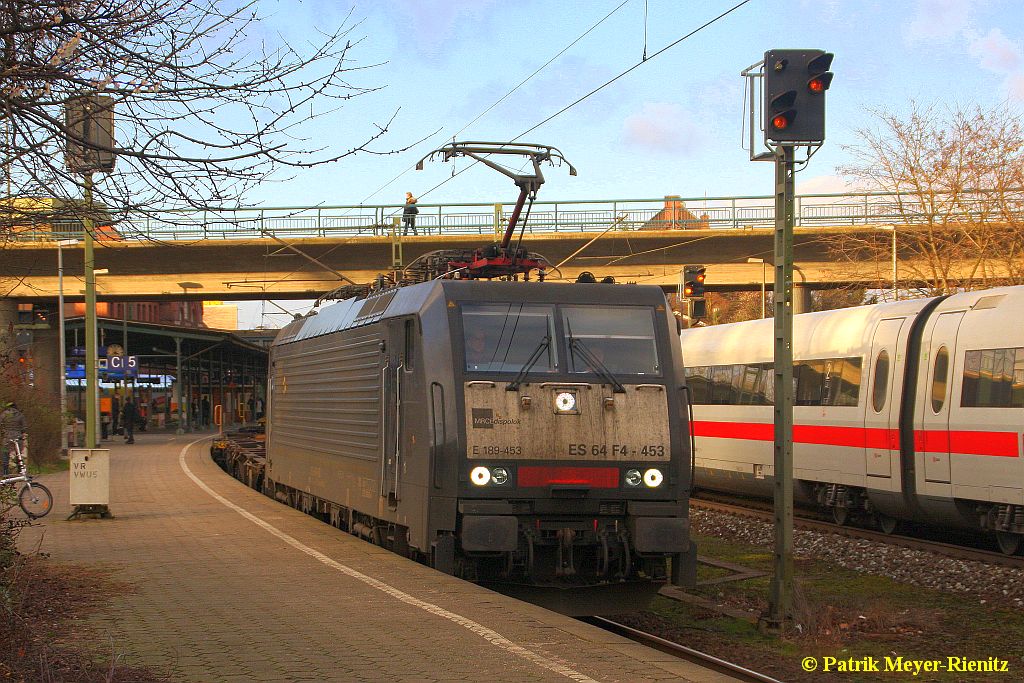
844,615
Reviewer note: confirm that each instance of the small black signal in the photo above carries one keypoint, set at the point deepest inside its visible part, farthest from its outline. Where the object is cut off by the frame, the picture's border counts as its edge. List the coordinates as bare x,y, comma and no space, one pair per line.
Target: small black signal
693,283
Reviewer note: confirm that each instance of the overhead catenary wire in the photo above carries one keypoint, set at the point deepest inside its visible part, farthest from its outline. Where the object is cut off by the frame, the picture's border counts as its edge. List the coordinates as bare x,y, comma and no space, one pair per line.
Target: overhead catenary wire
604,85
503,98
632,68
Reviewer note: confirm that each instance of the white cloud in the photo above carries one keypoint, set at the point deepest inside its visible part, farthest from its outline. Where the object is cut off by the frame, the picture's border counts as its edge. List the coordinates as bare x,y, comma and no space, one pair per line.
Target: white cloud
996,52
939,19
431,25
1015,86
949,20
662,127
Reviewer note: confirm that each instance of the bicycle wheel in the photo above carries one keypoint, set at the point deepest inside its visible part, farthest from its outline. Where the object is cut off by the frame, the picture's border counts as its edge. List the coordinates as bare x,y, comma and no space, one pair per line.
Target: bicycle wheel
36,500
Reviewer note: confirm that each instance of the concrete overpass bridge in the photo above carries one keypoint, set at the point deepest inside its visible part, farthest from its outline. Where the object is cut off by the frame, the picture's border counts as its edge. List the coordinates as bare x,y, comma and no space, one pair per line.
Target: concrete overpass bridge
302,252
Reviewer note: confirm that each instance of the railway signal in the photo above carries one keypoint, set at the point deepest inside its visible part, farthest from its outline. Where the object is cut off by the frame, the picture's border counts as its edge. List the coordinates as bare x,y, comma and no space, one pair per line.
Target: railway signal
692,291
795,82
793,110
693,281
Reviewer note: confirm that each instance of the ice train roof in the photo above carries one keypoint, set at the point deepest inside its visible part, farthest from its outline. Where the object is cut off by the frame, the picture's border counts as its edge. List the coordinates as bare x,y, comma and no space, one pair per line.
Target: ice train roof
827,334
824,334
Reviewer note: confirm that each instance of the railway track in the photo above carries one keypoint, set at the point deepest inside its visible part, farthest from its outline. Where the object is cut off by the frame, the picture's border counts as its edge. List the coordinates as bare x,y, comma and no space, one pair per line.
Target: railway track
703,659
960,552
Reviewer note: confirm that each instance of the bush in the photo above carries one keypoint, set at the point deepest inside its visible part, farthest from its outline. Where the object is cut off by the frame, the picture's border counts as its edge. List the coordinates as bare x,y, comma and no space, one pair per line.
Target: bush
42,419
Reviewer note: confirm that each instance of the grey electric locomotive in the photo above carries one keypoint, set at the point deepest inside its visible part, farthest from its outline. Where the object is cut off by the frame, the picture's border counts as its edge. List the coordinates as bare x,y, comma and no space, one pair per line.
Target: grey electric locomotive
530,432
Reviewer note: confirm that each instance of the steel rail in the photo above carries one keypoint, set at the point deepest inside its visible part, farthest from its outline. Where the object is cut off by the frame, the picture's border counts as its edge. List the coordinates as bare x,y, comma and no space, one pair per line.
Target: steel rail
952,550
705,660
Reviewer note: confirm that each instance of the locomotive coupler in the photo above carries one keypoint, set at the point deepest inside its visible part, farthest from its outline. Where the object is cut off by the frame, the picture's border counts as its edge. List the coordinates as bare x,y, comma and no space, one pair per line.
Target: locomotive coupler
626,559
605,553
565,552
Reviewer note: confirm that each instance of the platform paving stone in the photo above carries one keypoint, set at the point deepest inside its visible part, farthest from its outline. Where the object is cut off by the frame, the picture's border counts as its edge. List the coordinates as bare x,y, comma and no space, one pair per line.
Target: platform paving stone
209,595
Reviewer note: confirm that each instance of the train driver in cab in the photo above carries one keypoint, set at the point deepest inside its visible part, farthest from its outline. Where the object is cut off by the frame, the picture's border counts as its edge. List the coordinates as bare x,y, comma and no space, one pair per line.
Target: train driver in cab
478,355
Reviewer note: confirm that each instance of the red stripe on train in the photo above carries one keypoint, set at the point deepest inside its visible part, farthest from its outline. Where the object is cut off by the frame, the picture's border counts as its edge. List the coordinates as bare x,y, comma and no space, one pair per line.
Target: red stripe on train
999,444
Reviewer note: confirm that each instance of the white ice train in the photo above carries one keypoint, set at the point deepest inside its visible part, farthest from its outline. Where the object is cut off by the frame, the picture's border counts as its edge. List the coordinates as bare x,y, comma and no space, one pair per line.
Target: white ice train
911,410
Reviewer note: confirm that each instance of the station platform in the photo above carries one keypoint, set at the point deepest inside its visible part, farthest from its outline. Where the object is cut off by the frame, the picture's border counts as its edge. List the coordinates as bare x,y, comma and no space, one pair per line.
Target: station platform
225,584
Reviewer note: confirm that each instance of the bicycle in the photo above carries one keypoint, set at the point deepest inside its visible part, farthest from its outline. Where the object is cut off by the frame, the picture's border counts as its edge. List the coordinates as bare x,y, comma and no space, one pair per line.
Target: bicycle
34,498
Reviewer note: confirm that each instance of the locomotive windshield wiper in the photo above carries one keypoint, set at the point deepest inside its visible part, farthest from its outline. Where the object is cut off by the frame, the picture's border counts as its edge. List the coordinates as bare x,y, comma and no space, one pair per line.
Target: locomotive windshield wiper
543,346
577,345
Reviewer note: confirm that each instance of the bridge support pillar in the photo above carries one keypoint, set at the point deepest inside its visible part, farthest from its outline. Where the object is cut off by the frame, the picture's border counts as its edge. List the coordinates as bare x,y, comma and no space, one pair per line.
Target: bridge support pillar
801,299
8,313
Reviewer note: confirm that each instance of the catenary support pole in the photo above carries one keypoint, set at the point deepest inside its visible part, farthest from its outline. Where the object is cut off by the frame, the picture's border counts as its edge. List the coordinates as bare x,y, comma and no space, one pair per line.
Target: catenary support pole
92,413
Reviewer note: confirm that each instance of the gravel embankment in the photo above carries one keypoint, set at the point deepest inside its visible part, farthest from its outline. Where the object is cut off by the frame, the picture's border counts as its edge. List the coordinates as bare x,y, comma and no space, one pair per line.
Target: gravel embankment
985,582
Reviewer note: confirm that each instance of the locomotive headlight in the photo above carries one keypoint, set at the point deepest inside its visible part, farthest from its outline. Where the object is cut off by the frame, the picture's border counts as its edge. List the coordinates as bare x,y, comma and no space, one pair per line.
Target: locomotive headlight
480,476
565,402
653,478
499,475
633,477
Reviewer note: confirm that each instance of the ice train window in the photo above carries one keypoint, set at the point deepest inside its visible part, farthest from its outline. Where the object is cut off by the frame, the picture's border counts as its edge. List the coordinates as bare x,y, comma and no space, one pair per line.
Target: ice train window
880,384
939,376
993,378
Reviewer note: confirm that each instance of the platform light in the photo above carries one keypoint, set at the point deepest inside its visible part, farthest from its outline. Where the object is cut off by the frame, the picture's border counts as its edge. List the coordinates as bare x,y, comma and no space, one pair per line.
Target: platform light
653,478
480,476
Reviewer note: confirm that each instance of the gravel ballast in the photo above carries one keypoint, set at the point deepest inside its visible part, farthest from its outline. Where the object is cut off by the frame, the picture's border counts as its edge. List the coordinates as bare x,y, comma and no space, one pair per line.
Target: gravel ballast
987,583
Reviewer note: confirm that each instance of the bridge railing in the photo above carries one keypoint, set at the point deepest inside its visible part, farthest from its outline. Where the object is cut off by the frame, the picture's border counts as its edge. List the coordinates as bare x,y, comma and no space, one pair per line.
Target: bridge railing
669,213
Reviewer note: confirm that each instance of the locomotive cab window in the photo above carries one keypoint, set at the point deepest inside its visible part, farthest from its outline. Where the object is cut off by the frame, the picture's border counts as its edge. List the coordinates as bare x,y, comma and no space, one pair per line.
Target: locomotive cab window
504,337
880,382
620,338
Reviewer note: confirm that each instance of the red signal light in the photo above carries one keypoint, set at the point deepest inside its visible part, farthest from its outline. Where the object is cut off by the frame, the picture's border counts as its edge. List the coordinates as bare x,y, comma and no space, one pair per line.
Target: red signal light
816,85
781,122
700,277
688,290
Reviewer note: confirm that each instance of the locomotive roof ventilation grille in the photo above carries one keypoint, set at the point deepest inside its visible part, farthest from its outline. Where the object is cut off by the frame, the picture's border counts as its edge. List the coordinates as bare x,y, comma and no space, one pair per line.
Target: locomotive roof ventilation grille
373,308
989,301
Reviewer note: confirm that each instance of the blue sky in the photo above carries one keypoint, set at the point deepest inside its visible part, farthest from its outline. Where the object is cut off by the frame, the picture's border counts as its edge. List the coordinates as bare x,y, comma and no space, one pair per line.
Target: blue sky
672,126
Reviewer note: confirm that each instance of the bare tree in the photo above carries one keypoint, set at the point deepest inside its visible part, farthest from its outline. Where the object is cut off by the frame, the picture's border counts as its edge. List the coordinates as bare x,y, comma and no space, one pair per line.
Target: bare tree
956,179
204,108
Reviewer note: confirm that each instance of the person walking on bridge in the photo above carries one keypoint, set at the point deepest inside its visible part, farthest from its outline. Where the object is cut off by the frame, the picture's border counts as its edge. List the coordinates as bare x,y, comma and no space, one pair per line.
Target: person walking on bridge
409,214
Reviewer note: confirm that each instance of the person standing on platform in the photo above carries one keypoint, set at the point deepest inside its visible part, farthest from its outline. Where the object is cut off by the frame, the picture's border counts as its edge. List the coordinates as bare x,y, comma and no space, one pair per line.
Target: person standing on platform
129,413
115,415
409,214
12,428
204,410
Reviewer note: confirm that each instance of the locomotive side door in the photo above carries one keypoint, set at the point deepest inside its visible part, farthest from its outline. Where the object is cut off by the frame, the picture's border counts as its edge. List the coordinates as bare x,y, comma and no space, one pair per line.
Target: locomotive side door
937,367
392,377
881,409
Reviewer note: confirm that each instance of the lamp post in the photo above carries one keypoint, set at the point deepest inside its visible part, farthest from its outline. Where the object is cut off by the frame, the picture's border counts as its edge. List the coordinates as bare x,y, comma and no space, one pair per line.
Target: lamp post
63,360
763,278
92,401
184,398
895,281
